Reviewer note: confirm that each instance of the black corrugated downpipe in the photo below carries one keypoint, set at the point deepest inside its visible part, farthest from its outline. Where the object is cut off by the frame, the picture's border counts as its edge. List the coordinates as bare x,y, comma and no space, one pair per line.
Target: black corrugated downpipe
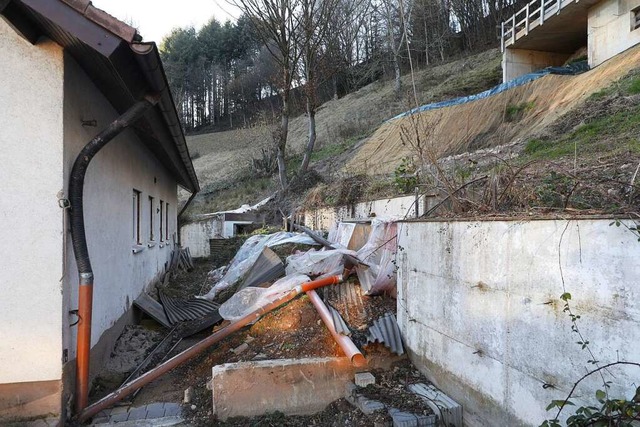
79,241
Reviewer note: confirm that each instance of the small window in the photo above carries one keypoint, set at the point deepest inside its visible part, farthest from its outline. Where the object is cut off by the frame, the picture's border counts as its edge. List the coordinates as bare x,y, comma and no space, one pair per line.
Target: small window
161,220
136,216
166,222
151,236
635,19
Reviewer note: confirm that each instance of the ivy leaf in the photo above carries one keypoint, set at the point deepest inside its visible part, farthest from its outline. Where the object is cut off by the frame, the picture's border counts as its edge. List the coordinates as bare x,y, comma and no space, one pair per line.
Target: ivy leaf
600,395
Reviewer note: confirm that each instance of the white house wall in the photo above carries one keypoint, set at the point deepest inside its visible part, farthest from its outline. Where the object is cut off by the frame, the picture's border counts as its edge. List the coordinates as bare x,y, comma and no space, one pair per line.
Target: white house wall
31,96
196,235
609,29
123,165
479,310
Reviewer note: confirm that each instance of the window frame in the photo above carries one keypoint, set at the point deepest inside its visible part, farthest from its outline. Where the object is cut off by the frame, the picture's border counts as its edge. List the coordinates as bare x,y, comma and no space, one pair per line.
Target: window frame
137,196
152,236
162,237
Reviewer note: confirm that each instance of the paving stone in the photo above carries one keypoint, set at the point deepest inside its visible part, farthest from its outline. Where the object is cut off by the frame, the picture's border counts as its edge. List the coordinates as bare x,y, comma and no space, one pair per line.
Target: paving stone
139,413
171,409
407,419
155,410
99,420
119,417
119,410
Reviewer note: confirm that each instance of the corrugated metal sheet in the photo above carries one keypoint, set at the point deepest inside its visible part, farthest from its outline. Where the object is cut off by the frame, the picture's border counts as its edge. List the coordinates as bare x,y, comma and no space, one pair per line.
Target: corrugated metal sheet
385,331
179,310
441,404
338,322
347,297
268,267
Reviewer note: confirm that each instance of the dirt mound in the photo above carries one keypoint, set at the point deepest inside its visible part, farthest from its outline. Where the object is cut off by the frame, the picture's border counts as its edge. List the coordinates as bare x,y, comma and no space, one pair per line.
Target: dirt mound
487,122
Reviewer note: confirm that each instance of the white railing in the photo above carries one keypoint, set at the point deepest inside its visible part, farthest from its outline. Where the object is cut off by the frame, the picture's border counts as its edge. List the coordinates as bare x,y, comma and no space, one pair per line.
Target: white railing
527,18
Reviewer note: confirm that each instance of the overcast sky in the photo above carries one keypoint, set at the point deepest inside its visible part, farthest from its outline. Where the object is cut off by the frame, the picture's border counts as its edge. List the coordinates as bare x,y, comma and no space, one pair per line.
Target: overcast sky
156,18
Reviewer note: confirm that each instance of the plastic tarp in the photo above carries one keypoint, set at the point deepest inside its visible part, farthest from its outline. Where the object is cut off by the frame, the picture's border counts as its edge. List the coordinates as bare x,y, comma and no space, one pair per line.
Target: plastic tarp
249,253
318,263
571,69
379,253
248,300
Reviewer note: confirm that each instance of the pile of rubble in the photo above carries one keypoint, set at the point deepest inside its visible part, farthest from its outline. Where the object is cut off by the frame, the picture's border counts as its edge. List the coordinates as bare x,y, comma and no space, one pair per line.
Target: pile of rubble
349,279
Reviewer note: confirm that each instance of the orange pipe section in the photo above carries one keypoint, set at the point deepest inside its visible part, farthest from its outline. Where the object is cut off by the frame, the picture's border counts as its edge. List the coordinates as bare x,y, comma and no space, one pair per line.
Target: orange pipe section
345,343
196,349
85,300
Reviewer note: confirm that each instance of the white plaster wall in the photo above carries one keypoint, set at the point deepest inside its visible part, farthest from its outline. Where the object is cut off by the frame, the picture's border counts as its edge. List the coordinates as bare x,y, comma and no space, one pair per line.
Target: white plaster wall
328,218
479,310
518,62
31,88
123,165
610,29
196,235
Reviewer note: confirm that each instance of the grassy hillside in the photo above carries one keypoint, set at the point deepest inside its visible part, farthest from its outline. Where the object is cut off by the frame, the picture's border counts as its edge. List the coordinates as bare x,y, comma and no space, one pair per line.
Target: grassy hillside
222,159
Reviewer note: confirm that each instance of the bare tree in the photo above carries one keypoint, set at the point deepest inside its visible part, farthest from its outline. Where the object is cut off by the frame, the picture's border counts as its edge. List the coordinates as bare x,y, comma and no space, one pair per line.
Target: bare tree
277,27
397,15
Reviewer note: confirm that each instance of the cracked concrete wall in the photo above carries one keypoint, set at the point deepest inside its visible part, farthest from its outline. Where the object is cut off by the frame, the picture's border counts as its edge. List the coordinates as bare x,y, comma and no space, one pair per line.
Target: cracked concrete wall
479,309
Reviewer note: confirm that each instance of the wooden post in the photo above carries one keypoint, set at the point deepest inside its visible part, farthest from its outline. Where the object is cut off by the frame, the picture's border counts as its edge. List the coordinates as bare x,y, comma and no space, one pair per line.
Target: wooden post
526,21
542,12
502,37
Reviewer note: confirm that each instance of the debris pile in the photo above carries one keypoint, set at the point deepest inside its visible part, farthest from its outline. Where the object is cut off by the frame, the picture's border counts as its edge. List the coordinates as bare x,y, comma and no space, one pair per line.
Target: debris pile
261,277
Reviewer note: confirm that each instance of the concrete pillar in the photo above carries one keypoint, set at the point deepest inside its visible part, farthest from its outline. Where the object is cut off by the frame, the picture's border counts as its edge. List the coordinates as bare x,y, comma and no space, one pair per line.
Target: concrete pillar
517,62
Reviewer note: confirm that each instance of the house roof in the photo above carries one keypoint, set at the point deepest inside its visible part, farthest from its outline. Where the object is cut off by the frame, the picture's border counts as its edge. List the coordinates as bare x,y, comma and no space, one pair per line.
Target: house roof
121,65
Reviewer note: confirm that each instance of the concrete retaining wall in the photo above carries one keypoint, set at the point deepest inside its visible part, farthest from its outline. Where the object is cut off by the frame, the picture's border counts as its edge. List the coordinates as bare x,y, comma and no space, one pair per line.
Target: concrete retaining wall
479,309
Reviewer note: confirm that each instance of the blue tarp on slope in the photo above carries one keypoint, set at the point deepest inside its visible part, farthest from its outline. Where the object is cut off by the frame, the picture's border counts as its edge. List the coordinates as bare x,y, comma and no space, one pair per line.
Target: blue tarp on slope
567,70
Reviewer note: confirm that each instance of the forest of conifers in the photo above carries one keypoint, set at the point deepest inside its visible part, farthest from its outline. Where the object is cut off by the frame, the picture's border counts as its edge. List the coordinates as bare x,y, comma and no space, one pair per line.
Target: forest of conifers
231,74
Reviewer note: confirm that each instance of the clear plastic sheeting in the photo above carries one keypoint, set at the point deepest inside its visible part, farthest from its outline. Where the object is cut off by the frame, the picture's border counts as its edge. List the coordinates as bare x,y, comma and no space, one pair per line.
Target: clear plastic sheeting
378,253
318,263
342,234
571,69
248,300
249,254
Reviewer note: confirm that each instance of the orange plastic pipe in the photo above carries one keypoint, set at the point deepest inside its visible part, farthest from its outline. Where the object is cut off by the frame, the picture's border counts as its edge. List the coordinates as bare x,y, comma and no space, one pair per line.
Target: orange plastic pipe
85,298
196,349
345,343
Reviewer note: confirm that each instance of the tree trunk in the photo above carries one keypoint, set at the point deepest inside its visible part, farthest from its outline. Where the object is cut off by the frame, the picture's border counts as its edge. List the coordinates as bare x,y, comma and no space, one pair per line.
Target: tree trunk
397,86
282,143
311,113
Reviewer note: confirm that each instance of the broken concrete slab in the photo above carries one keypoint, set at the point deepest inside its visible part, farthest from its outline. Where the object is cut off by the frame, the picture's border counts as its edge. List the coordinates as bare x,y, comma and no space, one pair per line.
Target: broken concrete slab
448,409
291,386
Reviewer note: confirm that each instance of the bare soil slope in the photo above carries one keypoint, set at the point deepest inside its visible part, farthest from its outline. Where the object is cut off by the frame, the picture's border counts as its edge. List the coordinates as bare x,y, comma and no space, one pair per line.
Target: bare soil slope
486,123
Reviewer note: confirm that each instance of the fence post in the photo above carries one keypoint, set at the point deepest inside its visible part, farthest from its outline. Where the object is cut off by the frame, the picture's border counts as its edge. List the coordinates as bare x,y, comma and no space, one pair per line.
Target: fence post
502,37
526,21
541,12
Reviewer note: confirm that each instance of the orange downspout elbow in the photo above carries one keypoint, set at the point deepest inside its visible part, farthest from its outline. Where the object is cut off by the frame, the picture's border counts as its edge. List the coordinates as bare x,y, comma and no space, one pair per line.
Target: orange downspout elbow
345,343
